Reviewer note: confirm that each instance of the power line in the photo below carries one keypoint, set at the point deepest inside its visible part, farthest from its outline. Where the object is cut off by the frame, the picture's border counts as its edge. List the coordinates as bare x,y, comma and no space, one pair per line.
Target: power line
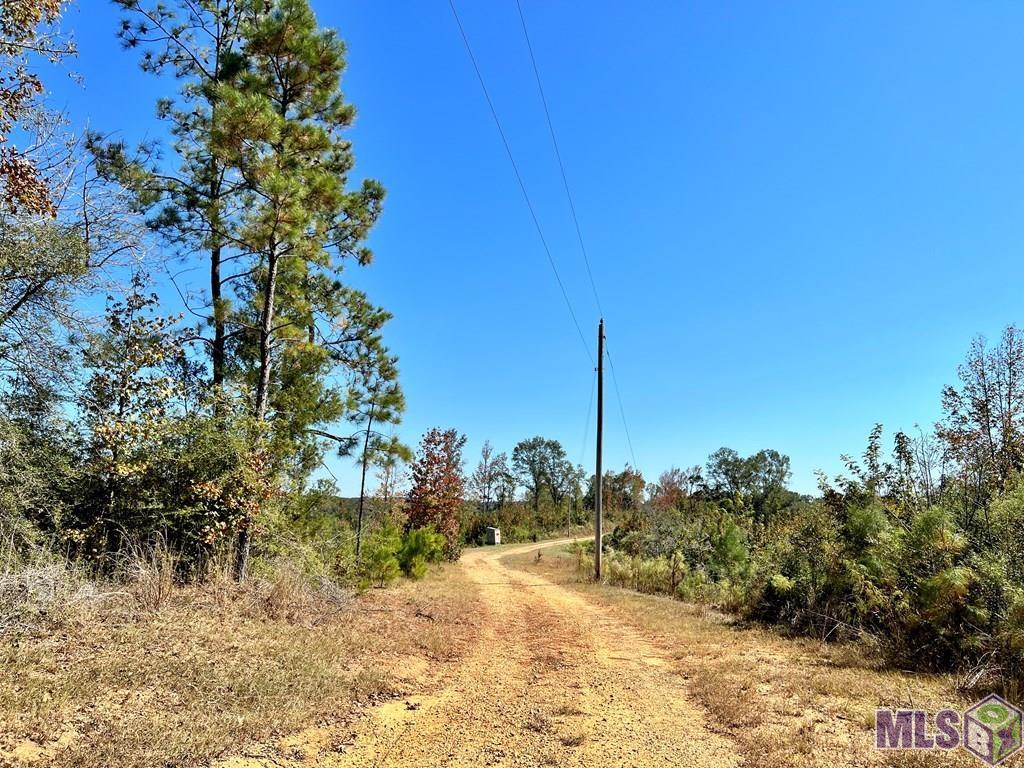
519,178
590,411
533,213
622,411
572,209
558,156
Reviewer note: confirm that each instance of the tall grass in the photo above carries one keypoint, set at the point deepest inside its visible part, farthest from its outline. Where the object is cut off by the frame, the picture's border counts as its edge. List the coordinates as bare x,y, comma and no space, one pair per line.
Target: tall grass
41,589
150,668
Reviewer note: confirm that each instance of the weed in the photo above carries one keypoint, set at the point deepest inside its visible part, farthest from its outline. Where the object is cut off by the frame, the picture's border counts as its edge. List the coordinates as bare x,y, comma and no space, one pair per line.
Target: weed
577,739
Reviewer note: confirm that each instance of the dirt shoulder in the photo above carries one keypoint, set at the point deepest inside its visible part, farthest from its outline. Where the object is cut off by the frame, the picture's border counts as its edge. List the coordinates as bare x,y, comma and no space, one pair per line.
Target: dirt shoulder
220,671
504,659
782,701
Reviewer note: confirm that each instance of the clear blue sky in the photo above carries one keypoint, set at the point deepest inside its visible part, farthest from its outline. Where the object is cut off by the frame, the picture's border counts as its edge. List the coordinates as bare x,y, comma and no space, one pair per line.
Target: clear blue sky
797,214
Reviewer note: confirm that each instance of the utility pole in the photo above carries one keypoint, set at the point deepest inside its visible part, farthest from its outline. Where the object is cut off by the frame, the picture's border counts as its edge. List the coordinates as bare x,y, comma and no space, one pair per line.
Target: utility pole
599,479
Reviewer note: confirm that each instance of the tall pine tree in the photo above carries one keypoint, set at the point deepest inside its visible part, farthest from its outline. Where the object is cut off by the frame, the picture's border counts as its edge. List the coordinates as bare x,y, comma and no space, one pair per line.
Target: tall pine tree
283,129
261,195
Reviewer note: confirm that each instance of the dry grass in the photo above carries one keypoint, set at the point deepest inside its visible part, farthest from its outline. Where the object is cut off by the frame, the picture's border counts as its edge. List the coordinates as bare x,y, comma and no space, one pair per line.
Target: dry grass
149,574
41,591
577,739
567,710
171,675
784,701
538,723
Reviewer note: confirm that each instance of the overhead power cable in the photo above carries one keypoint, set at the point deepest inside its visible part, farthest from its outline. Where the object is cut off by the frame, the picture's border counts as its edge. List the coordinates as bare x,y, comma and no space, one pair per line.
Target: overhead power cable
590,411
558,156
618,396
519,178
572,209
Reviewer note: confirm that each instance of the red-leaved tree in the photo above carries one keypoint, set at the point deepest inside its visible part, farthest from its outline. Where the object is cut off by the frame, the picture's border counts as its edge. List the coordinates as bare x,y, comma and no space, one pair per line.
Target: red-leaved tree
438,487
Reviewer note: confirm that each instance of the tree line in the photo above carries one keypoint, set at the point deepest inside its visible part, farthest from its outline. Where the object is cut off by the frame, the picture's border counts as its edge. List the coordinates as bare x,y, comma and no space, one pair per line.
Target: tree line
917,548
205,427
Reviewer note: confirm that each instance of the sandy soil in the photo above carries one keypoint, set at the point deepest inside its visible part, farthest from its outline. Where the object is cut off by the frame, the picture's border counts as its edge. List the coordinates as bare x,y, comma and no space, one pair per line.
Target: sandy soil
563,673
554,680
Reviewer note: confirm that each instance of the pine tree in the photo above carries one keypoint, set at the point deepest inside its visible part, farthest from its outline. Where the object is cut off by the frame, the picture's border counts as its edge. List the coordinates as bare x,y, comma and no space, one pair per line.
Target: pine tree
282,130
375,400
262,186
193,207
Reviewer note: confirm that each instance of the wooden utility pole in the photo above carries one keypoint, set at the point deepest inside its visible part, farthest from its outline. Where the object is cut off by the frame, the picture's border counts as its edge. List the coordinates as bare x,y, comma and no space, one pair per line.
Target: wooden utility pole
599,479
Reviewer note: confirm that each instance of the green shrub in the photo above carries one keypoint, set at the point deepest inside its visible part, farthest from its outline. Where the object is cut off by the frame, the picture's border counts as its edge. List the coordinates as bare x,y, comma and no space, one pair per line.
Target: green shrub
694,587
652,576
379,564
518,533
420,547
1007,518
729,556
618,570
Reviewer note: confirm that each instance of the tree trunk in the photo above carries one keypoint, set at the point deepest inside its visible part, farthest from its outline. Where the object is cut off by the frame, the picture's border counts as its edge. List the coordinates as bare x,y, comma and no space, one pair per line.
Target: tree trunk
242,553
362,486
262,392
217,352
266,333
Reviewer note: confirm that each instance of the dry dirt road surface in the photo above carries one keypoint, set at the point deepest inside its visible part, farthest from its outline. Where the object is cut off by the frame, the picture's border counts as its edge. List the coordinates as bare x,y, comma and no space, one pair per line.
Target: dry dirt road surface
554,680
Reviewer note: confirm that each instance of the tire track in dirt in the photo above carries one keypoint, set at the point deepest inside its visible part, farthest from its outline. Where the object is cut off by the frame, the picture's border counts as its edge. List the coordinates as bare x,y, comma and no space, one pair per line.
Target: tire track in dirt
553,680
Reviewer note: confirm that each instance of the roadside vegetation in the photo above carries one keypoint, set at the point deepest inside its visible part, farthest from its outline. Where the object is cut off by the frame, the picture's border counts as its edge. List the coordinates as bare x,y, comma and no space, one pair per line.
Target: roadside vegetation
784,700
180,349
917,553
127,430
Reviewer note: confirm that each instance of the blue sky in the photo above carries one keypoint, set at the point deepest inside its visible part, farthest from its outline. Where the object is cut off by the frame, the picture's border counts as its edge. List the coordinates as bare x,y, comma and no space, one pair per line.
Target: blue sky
797,214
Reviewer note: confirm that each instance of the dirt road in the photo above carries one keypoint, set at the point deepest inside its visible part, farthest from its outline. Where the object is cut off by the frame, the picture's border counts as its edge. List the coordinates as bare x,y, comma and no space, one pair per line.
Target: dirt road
554,680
